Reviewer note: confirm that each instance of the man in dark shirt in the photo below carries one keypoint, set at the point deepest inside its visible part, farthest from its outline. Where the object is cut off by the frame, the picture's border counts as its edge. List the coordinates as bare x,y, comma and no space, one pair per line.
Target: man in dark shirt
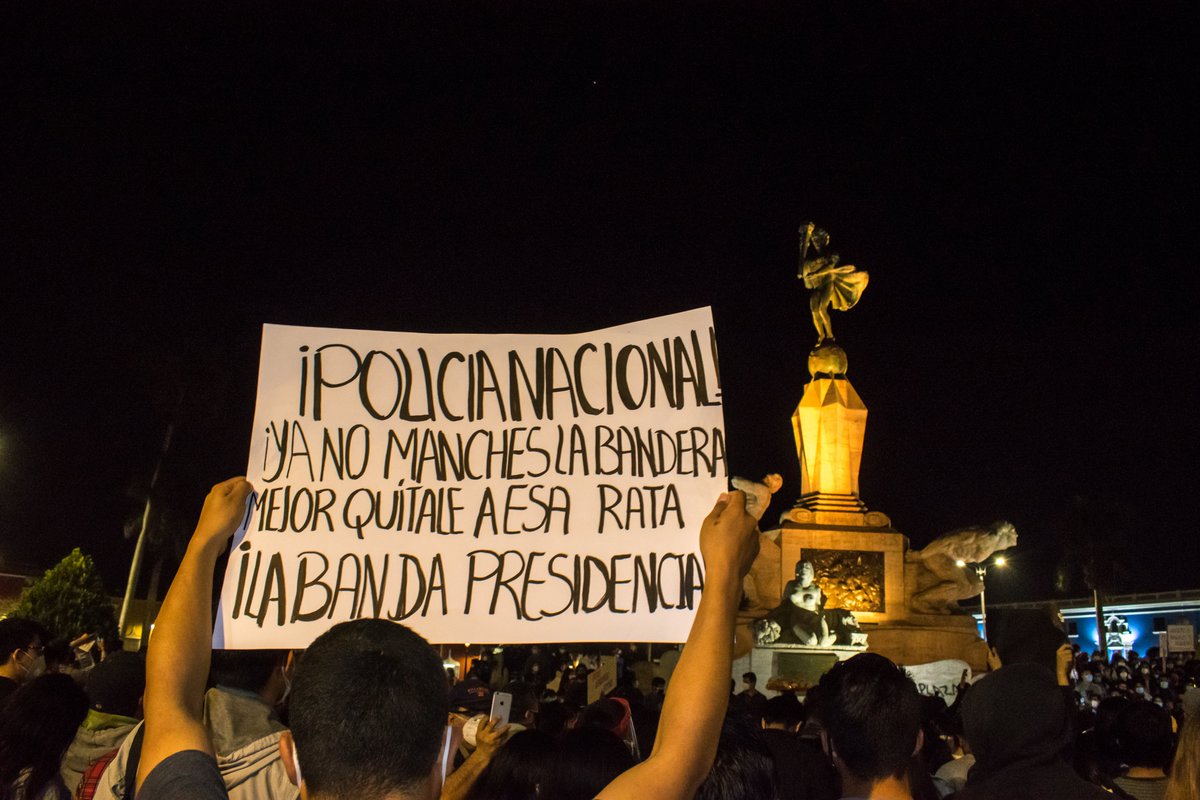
22,648
750,702
801,771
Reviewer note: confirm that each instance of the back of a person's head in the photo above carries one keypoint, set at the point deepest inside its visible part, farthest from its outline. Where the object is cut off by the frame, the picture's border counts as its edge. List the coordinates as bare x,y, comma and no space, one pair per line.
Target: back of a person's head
519,770
116,684
607,713
39,722
870,711
1184,776
743,769
1144,736
524,699
248,670
1015,714
17,633
785,710
589,758
1026,636
368,710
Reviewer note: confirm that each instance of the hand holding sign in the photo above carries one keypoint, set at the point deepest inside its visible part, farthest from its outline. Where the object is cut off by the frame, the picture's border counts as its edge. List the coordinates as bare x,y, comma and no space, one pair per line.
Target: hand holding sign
223,511
729,539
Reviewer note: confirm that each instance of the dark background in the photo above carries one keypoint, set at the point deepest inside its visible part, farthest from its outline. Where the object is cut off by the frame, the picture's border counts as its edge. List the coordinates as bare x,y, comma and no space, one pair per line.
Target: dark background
1018,179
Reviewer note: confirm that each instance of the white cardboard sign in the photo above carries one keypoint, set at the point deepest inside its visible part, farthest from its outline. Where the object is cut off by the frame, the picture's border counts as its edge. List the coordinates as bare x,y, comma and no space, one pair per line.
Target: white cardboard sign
940,678
1181,638
498,488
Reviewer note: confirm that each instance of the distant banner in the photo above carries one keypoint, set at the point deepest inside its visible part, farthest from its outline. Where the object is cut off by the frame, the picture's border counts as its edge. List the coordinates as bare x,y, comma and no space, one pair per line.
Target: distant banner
940,678
479,488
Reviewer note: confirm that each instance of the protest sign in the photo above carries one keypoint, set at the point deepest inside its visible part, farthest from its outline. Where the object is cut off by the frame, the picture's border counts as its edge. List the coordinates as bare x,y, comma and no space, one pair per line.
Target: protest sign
503,488
940,678
602,680
1181,638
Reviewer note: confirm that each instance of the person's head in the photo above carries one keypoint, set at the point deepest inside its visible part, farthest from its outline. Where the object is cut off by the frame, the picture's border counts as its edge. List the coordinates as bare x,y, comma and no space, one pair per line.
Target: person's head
1185,769
60,656
1026,636
22,649
39,722
1015,714
743,769
368,711
805,572
870,714
750,680
1144,736
520,770
589,758
524,709
116,684
784,712
264,672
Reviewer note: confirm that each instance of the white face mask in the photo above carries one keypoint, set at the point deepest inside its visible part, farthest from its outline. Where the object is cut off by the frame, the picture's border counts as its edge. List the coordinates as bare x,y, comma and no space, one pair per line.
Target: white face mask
34,667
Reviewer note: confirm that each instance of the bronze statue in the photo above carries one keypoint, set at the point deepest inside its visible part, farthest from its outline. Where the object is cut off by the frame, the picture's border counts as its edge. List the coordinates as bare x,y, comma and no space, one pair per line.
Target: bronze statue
832,284
942,582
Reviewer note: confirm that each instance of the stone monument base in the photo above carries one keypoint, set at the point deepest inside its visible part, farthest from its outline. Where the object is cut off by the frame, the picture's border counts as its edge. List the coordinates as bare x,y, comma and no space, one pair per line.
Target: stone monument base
793,667
922,638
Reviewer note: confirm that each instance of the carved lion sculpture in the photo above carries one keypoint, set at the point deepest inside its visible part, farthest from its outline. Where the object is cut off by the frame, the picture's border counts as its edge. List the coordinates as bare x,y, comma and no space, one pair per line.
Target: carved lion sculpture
944,582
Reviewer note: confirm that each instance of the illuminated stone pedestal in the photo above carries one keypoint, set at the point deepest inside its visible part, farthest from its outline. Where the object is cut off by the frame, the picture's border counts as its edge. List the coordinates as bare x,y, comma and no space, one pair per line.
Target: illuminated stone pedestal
796,666
860,561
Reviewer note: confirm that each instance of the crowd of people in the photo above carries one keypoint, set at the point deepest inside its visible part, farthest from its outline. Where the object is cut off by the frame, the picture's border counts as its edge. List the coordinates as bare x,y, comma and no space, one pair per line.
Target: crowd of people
370,710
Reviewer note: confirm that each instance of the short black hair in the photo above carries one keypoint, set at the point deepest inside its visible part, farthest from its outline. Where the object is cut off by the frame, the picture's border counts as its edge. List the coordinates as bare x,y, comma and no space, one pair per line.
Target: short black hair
1143,734
589,758
17,633
871,712
248,670
524,698
743,769
368,709
749,677
784,709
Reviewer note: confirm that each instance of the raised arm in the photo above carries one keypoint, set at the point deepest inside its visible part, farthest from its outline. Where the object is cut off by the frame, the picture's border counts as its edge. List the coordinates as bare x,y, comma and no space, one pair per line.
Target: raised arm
694,709
180,652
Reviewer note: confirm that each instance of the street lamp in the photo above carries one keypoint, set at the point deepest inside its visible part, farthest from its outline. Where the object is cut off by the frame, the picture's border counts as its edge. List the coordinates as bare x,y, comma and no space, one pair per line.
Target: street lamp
981,571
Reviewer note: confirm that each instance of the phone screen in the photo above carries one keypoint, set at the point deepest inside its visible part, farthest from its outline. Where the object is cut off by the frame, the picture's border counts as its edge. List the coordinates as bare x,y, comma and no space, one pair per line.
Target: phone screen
501,706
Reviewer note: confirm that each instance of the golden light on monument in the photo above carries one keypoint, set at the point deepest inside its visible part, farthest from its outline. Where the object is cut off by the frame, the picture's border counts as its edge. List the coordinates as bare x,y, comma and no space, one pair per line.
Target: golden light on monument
835,575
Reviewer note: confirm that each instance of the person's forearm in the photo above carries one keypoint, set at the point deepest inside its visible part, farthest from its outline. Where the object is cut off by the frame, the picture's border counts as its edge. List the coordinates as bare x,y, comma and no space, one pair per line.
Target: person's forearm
181,649
459,782
694,710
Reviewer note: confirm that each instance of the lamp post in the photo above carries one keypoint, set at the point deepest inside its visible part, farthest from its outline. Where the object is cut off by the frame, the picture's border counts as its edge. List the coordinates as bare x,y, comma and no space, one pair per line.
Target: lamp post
981,571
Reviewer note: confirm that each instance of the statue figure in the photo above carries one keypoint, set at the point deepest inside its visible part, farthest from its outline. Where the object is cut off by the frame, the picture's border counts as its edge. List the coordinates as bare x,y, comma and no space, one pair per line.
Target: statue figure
951,582
758,495
758,587
802,618
832,284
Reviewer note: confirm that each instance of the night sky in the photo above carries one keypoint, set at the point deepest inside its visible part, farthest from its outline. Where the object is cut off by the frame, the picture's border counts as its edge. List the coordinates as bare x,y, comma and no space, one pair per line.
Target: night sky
1018,179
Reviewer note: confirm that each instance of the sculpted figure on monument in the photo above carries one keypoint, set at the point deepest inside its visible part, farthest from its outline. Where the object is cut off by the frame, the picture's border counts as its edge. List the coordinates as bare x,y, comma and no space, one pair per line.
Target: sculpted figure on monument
832,284
802,618
944,582
758,586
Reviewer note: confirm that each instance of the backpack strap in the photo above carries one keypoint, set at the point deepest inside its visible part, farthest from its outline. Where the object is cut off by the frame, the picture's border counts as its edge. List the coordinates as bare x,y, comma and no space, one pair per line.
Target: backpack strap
131,763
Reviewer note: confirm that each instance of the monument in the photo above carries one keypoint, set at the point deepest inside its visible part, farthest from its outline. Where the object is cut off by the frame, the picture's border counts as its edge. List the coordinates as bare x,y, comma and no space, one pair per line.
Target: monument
835,576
